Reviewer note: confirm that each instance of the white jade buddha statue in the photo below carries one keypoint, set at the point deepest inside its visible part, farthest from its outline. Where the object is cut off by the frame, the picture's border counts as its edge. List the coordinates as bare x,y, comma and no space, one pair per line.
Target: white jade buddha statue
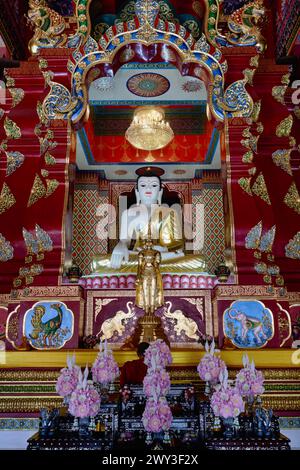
166,233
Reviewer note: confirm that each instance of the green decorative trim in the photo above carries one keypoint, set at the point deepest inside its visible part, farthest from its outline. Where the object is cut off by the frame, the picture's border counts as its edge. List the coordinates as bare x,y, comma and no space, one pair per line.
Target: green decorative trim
282,387
38,388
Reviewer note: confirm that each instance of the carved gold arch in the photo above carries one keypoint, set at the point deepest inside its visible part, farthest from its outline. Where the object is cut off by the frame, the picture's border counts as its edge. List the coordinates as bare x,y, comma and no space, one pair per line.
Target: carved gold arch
147,30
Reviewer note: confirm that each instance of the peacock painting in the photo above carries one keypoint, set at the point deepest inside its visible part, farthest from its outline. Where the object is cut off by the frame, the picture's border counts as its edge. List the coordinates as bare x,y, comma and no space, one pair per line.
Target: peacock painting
48,325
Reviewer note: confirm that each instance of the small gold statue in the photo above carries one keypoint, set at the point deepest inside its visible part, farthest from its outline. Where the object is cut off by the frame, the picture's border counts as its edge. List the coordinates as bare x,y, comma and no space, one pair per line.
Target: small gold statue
149,285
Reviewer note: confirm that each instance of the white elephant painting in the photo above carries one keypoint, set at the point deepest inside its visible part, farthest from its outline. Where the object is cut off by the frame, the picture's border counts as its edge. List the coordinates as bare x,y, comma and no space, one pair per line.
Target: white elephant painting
181,323
117,324
248,324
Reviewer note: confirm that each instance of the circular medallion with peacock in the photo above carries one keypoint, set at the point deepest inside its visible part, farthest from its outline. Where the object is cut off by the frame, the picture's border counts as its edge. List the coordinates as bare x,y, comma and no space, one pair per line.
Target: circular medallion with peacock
148,85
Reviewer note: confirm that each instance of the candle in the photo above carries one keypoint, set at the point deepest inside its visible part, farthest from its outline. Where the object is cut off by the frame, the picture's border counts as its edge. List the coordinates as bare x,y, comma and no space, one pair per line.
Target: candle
105,347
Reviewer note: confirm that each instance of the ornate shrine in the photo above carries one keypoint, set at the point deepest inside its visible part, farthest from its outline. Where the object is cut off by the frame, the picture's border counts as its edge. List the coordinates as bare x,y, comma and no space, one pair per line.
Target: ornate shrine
232,170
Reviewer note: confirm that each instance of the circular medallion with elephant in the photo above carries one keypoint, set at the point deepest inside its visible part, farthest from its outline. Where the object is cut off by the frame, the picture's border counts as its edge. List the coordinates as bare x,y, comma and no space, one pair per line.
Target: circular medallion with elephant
148,85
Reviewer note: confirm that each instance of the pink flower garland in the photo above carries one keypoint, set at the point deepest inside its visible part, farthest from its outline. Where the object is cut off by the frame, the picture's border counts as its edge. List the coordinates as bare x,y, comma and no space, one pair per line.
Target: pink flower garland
157,415
160,351
68,379
249,381
85,400
157,383
105,368
227,402
210,367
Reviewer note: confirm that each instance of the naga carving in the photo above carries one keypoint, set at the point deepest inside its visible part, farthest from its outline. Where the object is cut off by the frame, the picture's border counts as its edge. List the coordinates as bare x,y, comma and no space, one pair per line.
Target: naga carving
48,26
244,25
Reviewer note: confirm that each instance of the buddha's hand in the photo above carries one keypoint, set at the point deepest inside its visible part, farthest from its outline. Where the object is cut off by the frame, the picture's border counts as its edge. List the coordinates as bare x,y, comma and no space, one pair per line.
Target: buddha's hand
120,253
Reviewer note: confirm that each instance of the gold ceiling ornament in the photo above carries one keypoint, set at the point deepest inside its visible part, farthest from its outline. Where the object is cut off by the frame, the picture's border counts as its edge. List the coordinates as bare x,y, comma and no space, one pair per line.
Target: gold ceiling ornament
149,130
281,158
292,249
285,127
256,111
12,131
38,191
7,199
278,93
292,198
260,189
17,95
51,186
292,142
245,185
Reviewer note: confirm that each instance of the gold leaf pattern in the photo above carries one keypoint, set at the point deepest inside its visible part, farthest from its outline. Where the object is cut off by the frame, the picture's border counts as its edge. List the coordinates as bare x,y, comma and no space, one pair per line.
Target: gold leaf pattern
7,199
51,186
292,249
11,129
38,191
285,127
17,95
245,185
254,61
9,80
248,157
49,159
260,189
285,79
13,162
256,110
43,64
278,93
292,198
260,127
252,171
6,249
249,74
252,239
281,158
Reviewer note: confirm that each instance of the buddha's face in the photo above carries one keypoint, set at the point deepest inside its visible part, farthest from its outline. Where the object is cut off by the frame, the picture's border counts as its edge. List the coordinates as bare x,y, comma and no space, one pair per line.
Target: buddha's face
148,190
